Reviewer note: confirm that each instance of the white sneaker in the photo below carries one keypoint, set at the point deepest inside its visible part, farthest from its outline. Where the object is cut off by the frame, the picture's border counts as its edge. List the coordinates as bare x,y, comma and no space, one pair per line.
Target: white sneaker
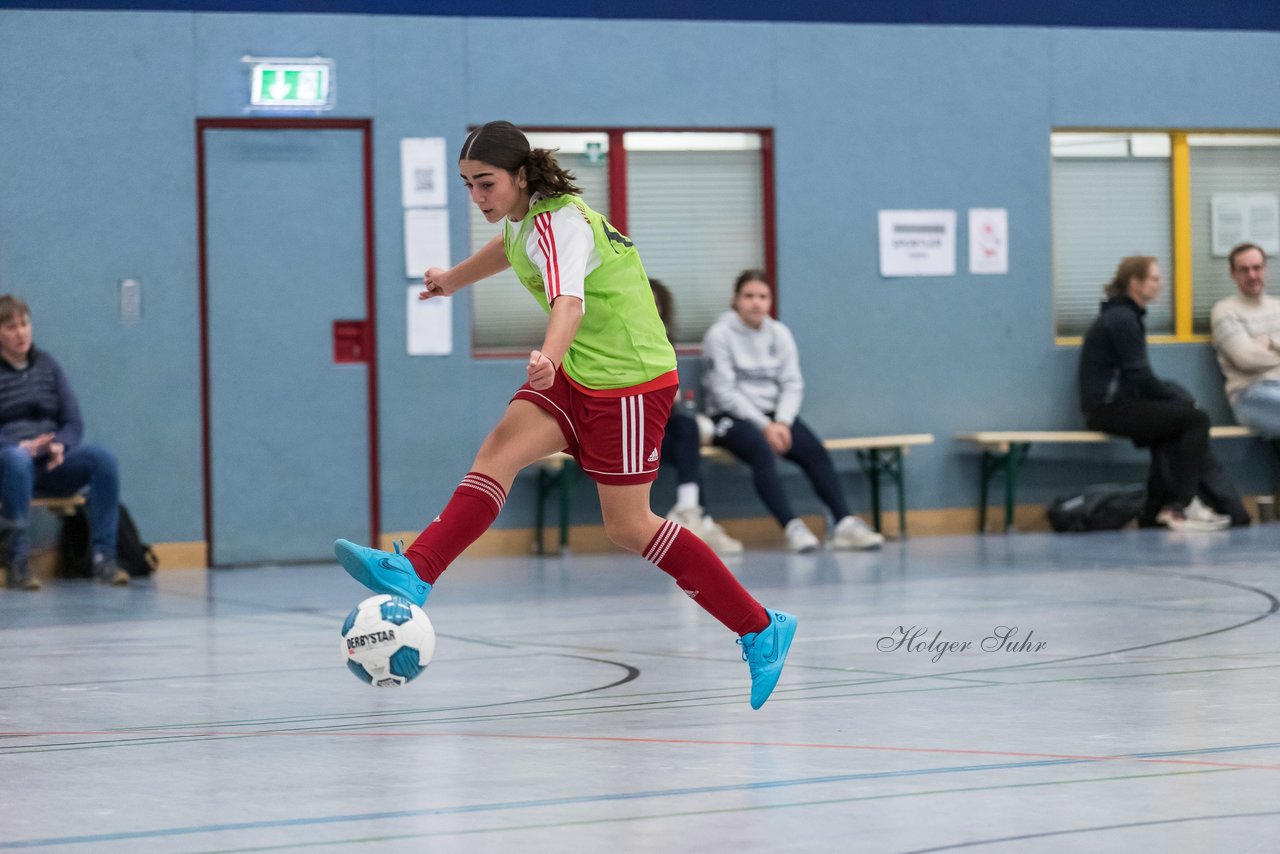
799,538
1177,520
1198,511
718,538
689,517
852,533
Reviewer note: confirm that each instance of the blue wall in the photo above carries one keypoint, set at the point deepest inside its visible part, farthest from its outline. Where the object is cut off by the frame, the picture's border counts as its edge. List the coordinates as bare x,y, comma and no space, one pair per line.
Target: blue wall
97,114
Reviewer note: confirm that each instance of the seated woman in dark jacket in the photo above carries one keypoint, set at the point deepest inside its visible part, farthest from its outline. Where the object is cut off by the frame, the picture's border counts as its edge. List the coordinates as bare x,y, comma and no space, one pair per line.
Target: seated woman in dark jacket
1120,395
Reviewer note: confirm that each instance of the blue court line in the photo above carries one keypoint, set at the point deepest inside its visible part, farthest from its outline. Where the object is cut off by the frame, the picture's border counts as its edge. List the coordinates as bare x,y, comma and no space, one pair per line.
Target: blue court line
589,799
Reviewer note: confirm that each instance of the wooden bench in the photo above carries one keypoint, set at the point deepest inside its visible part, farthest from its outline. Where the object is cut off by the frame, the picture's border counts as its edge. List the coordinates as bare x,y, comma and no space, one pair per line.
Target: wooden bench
62,506
1004,451
876,455
59,506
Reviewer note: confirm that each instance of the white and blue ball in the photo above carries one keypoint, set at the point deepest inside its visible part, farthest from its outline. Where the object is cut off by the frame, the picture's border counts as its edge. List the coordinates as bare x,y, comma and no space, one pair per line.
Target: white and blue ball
388,641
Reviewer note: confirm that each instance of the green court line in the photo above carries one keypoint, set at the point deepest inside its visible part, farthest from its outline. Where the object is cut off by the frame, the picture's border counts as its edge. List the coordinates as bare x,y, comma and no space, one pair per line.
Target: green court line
698,813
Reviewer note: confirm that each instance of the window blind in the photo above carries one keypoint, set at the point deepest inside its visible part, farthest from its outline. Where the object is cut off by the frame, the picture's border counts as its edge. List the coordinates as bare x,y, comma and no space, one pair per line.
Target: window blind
1226,169
504,317
1105,209
697,218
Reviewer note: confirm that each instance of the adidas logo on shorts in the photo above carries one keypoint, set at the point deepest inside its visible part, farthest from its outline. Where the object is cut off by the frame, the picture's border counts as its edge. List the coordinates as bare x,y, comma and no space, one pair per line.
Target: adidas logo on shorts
653,455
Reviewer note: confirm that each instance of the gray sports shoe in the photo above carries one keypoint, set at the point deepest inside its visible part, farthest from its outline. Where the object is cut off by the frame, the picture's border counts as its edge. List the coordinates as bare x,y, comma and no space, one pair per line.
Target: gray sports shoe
852,533
704,528
106,570
799,538
21,577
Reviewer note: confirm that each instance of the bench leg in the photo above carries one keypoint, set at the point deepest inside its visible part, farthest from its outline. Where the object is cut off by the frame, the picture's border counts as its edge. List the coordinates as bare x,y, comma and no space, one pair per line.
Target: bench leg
561,482
870,463
1010,484
567,475
546,480
1009,463
874,465
990,462
1275,454
895,471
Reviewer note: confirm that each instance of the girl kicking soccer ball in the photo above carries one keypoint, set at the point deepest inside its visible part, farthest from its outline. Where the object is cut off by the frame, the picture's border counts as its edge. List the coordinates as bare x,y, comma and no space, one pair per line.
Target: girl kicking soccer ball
600,388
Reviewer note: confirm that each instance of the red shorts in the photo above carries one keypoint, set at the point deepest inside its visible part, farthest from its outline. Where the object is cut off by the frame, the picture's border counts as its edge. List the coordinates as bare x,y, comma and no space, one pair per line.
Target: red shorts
615,435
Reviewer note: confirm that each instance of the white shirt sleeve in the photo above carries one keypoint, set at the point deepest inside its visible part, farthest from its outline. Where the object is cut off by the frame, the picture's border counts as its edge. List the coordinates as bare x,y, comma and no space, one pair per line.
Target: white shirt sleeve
561,246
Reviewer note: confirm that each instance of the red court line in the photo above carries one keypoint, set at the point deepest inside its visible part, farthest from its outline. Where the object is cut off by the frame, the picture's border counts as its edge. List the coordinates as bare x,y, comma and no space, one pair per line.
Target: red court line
871,748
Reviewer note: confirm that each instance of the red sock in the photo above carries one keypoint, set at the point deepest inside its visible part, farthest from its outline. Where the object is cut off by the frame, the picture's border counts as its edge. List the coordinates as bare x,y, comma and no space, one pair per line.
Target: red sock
705,578
474,505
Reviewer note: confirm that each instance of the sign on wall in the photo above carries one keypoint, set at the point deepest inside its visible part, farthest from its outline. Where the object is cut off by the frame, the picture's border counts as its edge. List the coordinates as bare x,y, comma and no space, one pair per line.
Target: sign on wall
423,179
1245,218
988,241
917,243
290,84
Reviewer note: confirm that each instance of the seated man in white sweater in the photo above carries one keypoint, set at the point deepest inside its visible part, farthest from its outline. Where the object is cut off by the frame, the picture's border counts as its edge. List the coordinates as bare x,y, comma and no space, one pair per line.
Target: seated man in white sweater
1246,334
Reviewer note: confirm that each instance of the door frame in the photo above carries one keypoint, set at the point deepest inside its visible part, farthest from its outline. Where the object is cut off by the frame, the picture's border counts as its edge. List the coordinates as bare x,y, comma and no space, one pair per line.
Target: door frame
365,128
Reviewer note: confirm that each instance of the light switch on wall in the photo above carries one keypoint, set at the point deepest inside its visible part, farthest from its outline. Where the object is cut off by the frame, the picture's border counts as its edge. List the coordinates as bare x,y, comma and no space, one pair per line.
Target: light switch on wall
130,300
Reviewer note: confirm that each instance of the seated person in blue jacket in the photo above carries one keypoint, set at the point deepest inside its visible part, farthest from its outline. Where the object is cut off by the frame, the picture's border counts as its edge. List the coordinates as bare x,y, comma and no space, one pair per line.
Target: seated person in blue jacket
755,389
41,453
1121,395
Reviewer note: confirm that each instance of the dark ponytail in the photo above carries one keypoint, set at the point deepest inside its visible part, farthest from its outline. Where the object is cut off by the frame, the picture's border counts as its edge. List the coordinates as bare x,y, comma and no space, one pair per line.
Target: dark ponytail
548,177
504,145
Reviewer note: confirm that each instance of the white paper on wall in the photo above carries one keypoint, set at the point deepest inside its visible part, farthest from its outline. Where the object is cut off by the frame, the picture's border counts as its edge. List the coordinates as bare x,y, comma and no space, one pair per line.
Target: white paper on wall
917,243
988,241
1245,218
422,177
430,324
426,240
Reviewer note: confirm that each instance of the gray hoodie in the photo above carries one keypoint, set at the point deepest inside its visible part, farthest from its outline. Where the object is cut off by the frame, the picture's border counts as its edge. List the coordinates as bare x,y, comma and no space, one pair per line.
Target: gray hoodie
752,371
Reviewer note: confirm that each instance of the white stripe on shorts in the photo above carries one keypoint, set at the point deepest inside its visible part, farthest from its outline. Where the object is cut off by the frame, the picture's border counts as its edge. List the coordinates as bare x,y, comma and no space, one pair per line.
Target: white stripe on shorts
632,415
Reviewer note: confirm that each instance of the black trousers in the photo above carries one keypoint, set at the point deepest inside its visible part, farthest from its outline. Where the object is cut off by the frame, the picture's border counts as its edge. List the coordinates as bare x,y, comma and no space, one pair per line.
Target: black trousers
746,441
1177,434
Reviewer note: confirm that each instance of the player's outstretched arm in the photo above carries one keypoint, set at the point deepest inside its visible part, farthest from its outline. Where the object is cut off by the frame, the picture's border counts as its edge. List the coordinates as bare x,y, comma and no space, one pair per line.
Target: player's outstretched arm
489,260
562,327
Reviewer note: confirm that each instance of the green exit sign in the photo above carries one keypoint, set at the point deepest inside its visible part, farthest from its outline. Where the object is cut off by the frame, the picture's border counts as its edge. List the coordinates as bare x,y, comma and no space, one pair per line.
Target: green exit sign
292,84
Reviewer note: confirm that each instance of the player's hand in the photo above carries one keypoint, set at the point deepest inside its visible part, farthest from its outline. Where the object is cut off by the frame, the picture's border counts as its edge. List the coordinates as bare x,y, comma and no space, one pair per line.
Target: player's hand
542,371
778,435
57,452
436,284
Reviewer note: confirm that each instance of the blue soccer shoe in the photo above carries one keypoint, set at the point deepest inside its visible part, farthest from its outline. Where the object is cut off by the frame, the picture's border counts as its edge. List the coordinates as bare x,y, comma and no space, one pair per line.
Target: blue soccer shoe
382,572
765,652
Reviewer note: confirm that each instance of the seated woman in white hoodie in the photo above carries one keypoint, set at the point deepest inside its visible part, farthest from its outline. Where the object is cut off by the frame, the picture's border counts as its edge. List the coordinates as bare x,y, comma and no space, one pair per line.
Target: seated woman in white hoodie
754,390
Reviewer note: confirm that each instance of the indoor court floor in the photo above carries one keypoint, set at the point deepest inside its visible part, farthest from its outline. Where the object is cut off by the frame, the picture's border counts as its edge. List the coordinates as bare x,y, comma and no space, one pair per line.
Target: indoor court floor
584,704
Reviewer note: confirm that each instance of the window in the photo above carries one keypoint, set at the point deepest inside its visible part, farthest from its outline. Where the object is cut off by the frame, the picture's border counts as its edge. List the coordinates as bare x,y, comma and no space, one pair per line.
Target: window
1184,198
694,202
1235,184
1110,200
505,320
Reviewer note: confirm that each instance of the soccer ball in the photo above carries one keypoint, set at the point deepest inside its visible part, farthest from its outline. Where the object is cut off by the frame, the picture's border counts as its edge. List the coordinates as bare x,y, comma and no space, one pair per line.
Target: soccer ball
387,641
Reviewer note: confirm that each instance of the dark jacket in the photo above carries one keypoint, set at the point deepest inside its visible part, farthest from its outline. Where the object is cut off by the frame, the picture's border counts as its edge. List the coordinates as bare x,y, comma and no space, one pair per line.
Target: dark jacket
38,399
1113,360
